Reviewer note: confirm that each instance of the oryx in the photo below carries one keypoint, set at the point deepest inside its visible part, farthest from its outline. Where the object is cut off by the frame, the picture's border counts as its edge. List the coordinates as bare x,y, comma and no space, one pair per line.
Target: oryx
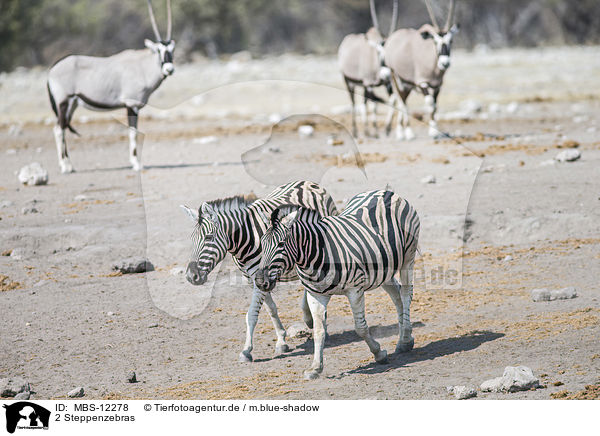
418,60
124,80
361,61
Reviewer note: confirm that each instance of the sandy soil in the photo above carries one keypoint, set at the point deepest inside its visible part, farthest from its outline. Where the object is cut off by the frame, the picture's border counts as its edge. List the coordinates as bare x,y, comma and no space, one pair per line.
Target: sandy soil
68,320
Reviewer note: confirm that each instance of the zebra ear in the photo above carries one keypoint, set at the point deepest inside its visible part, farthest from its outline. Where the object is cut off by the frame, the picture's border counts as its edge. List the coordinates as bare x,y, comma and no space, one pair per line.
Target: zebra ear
289,219
193,214
274,216
209,212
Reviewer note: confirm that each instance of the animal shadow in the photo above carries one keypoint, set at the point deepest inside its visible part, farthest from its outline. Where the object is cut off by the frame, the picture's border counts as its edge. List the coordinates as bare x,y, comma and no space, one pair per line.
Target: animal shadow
432,350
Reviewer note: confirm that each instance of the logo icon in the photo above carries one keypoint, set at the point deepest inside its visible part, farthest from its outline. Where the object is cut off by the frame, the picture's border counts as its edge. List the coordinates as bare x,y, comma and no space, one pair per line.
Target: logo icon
26,415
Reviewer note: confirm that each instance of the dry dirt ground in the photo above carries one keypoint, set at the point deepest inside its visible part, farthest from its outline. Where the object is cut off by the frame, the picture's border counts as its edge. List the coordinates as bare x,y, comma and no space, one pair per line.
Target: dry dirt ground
68,320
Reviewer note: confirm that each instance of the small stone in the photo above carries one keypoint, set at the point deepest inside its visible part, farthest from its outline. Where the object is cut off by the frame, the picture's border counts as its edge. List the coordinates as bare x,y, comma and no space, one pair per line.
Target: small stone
5,203
428,179
177,271
542,294
80,197
23,396
133,266
274,118
568,155
298,330
462,392
33,174
131,377
152,325
205,140
547,163
564,293
508,258
110,313
78,392
515,378
305,131
28,210
512,107
11,386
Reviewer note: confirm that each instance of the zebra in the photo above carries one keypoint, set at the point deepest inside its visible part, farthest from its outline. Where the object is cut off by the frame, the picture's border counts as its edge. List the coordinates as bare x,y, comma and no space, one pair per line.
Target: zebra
374,237
235,225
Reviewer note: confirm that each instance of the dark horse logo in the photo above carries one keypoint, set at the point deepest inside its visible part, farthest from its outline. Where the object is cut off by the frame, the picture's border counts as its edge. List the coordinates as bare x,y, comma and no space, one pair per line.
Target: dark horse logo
27,414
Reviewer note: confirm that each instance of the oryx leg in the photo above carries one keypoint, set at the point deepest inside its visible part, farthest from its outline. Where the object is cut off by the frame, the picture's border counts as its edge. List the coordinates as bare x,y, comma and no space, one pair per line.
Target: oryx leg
351,87
318,308
403,130
258,297
281,346
431,102
391,112
306,315
357,303
65,113
368,91
132,119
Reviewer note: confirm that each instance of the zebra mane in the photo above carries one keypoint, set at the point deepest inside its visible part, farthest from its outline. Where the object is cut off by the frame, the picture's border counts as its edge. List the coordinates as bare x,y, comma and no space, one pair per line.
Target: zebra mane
230,204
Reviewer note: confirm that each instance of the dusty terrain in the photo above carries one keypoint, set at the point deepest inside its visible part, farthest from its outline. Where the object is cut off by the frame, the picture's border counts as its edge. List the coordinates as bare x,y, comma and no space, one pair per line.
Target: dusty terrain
68,320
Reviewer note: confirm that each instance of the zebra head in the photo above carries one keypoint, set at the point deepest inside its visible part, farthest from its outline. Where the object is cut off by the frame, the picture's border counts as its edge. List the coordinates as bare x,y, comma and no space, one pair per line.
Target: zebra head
209,243
277,248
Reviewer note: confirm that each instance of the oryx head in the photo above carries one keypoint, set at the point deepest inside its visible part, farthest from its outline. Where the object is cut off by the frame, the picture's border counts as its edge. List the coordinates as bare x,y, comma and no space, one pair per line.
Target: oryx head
442,37
162,47
209,241
277,248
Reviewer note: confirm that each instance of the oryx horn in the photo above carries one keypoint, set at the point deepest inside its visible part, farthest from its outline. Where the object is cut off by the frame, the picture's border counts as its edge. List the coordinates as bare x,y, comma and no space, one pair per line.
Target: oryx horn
450,15
432,15
153,21
394,22
374,14
169,20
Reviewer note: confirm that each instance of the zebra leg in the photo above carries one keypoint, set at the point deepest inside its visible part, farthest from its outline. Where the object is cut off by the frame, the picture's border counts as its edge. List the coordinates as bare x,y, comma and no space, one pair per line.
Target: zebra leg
393,289
281,346
357,303
407,342
306,315
132,118
318,309
258,297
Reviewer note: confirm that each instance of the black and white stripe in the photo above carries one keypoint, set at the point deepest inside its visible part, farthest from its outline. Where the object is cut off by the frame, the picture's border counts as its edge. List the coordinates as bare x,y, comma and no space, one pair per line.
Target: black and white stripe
364,247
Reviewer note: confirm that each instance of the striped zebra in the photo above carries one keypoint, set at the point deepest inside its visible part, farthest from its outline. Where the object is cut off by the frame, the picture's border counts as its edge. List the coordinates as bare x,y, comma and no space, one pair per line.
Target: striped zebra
235,225
363,248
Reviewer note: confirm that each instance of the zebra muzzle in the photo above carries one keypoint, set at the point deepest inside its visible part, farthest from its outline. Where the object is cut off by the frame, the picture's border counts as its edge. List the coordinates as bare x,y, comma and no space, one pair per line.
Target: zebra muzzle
194,275
263,281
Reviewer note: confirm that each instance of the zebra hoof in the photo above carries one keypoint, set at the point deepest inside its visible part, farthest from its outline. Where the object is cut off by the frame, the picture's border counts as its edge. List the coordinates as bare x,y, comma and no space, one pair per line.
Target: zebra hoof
245,356
381,357
280,349
403,348
311,374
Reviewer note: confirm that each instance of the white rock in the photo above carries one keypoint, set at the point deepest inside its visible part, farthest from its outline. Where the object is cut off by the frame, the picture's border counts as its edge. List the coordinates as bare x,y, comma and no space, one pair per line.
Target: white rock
80,197
306,131
78,392
512,107
204,140
298,330
462,392
5,203
568,155
275,118
515,378
564,293
177,271
542,294
11,386
428,179
33,174
471,106
11,151
508,258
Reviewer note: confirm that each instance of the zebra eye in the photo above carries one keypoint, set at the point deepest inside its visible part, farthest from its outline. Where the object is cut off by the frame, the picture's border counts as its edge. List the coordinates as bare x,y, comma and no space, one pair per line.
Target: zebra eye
209,237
